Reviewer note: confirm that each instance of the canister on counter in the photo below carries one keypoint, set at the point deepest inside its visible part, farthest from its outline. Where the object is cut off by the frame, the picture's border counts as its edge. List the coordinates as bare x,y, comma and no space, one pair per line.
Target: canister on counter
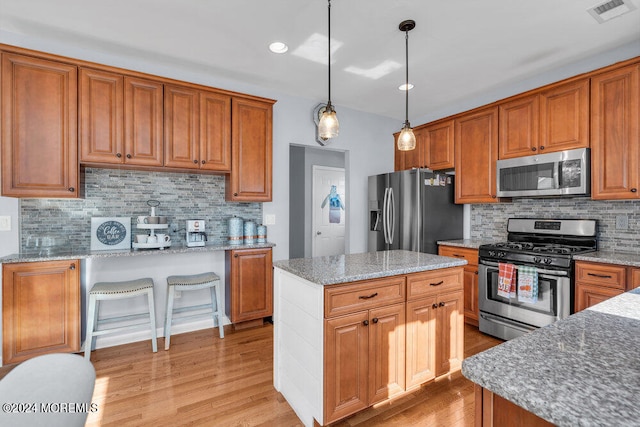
262,233
235,231
249,232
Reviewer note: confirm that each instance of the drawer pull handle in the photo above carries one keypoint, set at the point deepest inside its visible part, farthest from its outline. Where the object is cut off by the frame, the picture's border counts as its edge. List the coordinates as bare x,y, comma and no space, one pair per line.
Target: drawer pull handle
459,256
365,322
603,276
368,296
437,284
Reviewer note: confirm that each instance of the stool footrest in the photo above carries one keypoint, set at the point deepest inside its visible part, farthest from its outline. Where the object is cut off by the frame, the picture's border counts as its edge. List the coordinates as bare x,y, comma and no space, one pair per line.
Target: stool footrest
121,328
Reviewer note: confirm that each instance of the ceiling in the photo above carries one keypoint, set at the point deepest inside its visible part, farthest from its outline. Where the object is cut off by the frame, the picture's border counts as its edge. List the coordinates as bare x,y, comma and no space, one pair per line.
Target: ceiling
459,49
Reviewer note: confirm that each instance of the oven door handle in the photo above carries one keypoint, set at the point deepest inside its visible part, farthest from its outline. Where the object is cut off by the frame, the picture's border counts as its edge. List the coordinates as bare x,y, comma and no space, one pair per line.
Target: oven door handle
513,325
554,273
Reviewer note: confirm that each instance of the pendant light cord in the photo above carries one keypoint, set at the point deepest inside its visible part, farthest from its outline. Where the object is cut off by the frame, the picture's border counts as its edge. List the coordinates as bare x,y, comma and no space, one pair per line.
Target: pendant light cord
406,88
329,51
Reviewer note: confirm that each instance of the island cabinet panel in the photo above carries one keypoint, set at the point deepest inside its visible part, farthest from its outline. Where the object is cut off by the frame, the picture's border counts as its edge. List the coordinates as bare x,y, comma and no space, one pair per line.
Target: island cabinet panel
364,295
251,151
615,134
143,120
249,284
39,128
101,98
476,153
495,411
471,309
635,278
40,309
597,282
421,339
449,332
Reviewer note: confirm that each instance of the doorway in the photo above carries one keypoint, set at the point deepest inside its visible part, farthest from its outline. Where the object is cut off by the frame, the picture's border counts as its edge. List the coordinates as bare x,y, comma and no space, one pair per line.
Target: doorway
328,216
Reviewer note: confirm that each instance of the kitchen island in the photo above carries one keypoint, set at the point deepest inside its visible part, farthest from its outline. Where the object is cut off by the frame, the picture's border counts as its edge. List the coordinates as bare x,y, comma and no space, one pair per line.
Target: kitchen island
354,330
582,370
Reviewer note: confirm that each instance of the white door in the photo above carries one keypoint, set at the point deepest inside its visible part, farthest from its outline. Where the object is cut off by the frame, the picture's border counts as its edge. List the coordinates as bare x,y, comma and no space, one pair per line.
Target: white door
328,211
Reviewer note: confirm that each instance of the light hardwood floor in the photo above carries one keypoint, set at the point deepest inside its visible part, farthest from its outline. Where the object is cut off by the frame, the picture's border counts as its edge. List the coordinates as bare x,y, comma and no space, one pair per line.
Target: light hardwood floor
203,380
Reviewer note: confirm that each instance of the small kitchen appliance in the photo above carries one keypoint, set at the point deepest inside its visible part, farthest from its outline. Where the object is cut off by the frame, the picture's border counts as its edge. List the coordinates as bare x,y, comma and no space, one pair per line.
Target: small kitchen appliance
196,235
545,247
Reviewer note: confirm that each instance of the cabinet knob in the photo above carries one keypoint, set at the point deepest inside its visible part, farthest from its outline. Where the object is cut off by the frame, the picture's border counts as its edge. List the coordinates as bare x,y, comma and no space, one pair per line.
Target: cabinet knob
374,320
195,162
204,161
128,156
476,272
118,155
541,147
72,267
493,196
441,304
235,194
634,190
71,189
533,148
365,322
435,306
235,255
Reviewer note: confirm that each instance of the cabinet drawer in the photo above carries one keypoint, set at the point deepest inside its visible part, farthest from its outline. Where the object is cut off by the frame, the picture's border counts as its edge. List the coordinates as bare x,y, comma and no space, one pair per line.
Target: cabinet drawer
611,276
363,295
471,255
430,282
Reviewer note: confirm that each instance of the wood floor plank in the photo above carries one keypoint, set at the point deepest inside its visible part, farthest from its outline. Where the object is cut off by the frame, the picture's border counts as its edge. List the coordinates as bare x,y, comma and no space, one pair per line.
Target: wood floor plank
207,381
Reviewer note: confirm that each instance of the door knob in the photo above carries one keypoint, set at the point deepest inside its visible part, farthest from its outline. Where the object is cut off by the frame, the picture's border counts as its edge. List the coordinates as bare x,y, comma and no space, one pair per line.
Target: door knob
318,233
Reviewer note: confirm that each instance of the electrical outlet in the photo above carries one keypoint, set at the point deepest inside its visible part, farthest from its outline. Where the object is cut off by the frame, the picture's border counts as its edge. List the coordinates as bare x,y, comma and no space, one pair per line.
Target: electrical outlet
622,222
5,223
269,219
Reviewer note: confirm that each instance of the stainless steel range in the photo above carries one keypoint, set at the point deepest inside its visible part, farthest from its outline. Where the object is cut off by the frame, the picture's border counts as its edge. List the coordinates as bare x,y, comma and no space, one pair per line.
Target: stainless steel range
546,245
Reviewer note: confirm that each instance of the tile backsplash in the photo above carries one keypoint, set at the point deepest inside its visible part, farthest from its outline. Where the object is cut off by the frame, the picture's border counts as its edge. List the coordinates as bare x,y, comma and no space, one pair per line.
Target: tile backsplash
115,192
489,221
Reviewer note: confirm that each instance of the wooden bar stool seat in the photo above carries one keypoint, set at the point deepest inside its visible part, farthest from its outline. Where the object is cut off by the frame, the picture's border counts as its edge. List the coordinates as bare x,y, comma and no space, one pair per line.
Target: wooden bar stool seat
117,290
191,283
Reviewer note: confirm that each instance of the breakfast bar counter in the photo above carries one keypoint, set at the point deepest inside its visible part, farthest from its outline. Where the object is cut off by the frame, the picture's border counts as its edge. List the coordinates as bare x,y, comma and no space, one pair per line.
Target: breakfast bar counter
580,371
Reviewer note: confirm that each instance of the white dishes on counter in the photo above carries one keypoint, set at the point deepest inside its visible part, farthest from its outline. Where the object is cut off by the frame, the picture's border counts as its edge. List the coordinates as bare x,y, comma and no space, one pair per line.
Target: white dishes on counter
153,240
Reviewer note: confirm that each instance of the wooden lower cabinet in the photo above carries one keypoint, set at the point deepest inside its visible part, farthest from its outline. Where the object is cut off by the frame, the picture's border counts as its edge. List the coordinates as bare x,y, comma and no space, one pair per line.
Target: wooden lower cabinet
495,411
40,309
386,348
597,282
249,284
471,309
635,277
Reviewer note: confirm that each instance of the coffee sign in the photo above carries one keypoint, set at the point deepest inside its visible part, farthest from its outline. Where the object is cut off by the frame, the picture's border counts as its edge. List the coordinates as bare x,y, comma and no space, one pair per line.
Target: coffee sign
110,233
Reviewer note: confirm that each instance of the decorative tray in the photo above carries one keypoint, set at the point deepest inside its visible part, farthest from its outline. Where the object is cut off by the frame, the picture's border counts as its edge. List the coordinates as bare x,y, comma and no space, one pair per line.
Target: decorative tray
160,245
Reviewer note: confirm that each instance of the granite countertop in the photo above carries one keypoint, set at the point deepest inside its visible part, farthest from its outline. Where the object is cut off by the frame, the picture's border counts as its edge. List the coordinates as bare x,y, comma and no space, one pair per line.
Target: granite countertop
65,254
331,270
610,257
465,243
582,370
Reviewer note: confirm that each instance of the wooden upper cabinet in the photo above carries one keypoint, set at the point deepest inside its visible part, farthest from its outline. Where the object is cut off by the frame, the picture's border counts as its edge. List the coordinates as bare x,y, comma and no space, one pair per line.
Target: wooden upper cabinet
39,128
555,119
215,131
564,117
476,152
101,98
251,151
143,119
181,127
519,127
615,134
439,145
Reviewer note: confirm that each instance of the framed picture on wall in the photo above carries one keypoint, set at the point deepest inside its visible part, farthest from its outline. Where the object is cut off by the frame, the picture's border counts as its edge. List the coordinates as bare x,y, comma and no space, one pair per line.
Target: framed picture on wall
110,233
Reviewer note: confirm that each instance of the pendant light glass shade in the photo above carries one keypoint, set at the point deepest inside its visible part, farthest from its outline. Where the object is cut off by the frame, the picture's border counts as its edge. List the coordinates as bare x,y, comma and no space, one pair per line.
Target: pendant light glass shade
407,139
328,126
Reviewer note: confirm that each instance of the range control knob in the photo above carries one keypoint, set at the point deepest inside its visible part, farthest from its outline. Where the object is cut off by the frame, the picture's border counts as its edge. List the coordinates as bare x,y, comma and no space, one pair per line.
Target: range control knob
502,254
492,253
537,260
547,260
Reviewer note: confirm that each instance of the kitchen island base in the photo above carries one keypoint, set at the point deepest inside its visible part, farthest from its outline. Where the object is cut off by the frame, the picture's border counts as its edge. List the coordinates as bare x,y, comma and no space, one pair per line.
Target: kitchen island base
495,411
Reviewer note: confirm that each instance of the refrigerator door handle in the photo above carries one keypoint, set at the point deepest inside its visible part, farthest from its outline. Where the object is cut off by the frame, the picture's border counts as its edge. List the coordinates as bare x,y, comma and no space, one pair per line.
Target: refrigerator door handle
385,202
392,216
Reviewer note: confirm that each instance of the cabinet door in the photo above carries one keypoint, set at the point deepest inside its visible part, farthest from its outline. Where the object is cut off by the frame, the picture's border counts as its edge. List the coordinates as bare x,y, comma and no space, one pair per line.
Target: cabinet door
564,117
615,134
39,128
519,127
439,146
449,333
181,127
251,288
589,295
476,153
471,309
346,364
101,97
251,152
40,309
421,341
634,282
143,122
215,132
386,352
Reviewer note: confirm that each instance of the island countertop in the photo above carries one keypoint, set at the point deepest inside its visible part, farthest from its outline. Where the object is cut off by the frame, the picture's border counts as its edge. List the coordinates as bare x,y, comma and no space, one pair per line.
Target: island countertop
331,270
582,370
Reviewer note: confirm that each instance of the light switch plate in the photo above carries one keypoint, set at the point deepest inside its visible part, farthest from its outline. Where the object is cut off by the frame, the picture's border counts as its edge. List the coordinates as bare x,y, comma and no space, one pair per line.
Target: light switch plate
269,219
5,223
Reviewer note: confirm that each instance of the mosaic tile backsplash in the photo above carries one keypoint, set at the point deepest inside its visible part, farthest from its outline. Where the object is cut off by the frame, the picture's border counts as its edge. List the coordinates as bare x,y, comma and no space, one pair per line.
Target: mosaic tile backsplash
489,221
113,192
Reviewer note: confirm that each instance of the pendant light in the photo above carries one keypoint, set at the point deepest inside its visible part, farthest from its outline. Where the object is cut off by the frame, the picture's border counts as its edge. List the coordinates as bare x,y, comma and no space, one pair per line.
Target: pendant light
407,140
328,127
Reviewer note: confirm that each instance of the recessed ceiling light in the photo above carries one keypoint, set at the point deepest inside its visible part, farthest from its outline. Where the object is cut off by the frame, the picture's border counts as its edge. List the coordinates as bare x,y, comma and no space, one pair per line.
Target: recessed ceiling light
278,47
404,87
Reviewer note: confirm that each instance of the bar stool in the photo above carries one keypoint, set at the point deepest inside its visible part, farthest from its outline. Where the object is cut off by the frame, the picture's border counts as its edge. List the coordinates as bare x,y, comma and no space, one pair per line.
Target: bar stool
191,283
116,290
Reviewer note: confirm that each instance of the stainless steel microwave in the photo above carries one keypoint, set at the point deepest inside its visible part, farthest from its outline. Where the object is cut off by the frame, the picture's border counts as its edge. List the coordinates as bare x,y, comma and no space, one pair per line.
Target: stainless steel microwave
563,173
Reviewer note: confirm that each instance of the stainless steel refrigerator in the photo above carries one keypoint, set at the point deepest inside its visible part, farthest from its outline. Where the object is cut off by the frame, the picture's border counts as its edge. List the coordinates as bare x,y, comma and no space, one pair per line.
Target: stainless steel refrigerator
412,210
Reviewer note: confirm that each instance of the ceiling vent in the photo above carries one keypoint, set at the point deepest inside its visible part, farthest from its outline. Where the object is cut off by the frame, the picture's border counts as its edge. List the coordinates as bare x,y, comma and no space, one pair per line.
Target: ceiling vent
610,9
